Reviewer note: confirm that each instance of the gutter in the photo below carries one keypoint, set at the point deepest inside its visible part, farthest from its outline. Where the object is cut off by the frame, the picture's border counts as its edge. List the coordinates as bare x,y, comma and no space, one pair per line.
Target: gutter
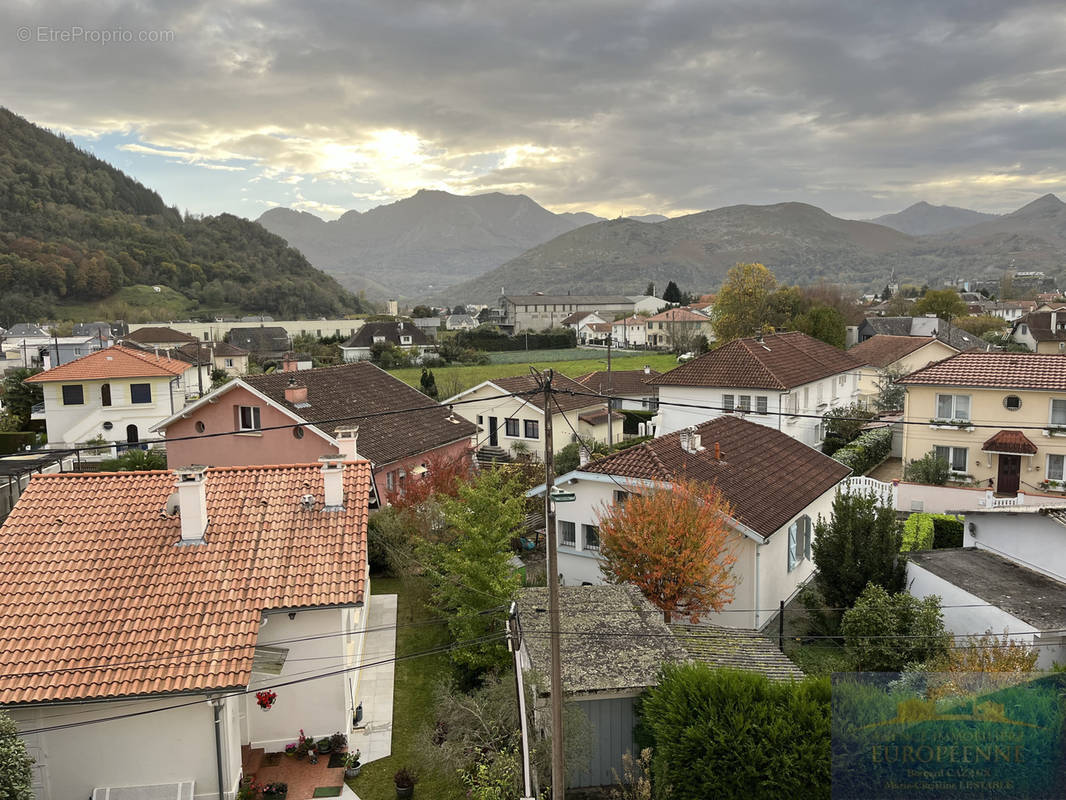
216,707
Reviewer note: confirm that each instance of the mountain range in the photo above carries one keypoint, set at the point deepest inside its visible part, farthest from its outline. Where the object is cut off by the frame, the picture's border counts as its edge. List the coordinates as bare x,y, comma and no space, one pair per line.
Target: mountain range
922,218
802,244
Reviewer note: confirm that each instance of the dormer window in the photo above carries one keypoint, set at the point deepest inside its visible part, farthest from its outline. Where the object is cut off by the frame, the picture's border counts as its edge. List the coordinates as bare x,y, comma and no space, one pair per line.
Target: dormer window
379,340
405,340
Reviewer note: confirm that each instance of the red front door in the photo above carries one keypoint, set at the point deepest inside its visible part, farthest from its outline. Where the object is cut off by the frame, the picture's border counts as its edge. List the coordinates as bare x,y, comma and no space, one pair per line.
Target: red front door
1010,468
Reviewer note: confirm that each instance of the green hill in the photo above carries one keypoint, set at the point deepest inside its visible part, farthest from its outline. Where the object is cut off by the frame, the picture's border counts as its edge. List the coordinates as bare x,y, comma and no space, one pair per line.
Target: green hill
74,231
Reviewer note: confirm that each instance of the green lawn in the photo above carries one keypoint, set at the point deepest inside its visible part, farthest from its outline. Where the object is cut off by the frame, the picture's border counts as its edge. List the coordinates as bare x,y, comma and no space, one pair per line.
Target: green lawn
452,380
139,303
412,706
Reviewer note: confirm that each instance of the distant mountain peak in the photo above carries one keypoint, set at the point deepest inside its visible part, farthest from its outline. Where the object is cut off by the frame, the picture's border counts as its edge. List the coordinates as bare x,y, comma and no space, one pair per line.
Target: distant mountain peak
924,218
1049,203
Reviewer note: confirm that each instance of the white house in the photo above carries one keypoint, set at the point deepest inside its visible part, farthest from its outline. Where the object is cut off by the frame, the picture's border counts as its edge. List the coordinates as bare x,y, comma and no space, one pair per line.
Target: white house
1008,577
405,335
774,508
579,318
630,387
630,331
132,654
116,394
773,380
510,414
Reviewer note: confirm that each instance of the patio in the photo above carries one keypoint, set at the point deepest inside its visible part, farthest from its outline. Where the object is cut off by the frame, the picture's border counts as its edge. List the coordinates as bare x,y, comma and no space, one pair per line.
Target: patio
302,776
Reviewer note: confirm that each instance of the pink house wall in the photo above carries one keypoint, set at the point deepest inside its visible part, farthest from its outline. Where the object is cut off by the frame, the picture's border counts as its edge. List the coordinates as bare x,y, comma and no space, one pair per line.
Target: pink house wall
267,447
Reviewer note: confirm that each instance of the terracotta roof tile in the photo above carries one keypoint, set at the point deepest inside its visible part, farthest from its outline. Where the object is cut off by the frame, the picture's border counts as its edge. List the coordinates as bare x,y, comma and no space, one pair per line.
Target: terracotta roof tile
766,475
780,361
359,388
152,335
621,382
680,314
1010,441
884,349
113,362
98,600
1038,371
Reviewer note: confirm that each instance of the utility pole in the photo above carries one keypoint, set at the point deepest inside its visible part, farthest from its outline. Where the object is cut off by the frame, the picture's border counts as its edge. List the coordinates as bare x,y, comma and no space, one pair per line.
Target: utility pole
610,391
552,566
514,644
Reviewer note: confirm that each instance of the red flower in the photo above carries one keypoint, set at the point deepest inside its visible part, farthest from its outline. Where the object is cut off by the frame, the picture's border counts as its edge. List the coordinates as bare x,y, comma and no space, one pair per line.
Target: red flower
266,699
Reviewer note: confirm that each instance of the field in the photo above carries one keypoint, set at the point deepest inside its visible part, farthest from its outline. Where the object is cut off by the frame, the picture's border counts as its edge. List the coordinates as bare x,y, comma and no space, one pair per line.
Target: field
139,303
452,380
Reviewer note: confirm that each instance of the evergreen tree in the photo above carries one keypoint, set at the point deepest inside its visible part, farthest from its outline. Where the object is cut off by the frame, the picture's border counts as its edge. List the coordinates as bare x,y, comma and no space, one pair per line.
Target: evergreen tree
650,291
672,293
15,776
428,383
886,293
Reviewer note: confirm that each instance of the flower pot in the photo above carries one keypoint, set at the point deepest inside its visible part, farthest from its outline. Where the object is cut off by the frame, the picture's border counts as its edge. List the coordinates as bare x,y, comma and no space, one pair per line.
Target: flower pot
404,791
351,772
324,747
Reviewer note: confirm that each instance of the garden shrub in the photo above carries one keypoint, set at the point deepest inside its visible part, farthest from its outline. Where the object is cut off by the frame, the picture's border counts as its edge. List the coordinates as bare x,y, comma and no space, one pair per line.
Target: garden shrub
886,632
867,451
928,469
494,340
728,733
931,531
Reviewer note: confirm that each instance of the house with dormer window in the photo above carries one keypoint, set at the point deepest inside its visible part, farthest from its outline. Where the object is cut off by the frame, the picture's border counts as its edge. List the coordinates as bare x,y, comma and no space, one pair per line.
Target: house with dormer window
405,335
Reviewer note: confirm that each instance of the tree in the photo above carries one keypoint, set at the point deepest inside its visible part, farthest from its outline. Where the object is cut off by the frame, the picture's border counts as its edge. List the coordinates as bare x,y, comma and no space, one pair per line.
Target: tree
886,632
219,377
672,542
783,306
930,469
890,394
944,303
136,460
980,324
842,425
459,310
20,397
824,323
650,291
442,477
672,294
980,663
421,312
428,384
470,571
858,545
741,305
886,293
16,779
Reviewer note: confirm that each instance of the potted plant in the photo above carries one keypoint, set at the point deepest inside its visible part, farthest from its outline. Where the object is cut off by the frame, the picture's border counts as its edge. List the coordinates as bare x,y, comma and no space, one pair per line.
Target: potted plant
351,764
266,699
278,790
338,741
405,783
325,745
249,789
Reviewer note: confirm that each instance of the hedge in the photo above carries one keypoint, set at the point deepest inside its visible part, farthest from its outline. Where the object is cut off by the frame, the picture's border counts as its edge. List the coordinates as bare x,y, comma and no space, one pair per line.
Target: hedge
496,341
867,451
931,532
13,441
728,733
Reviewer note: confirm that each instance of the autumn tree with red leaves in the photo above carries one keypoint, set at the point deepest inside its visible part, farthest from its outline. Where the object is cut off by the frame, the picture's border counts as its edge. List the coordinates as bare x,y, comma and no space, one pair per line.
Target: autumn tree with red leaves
442,475
672,542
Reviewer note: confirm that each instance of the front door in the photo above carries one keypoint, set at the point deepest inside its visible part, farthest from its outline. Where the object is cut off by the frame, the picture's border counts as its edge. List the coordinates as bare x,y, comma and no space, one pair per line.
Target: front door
1010,468
494,439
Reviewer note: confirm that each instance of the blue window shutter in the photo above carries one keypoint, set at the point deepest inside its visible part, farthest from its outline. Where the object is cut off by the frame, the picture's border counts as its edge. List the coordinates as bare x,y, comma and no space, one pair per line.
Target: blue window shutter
807,537
792,546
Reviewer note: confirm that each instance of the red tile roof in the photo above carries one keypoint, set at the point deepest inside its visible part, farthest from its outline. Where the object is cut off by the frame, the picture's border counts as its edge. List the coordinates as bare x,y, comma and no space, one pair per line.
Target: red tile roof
884,349
1010,441
681,314
113,362
780,361
766,475
621,382
97,599
1036,371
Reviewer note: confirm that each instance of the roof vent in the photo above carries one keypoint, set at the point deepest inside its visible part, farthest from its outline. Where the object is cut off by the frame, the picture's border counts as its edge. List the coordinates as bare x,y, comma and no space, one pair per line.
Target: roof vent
307,501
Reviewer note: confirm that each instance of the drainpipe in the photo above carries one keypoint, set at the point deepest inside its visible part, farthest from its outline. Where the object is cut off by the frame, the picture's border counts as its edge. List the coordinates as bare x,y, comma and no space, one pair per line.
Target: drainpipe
758,555
216,706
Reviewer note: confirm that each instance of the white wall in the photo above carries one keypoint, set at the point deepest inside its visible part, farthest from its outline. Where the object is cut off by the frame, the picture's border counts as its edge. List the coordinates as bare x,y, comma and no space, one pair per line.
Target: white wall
79,423
322,706
1030,539
967,614
163,747
214,331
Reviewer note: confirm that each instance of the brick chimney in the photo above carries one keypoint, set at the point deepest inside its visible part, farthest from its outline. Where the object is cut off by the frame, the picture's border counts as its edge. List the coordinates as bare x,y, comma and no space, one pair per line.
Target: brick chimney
192,503
289,362
347,438
295,392
333,481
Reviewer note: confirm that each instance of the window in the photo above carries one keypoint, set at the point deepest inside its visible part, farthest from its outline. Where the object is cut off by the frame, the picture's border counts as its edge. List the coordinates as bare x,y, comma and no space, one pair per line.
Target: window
955,456
592,537
1056,467
73,395
1012,402
567,534
511,427
1058,412
760,404
953,406
532,429
227,362
727,402
105,394
140,393
248,418
744,402
480,420
405,340
390,481
620,496
799,541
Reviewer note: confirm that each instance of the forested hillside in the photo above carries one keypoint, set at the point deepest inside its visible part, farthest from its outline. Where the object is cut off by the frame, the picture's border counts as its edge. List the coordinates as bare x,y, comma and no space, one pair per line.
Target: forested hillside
73,229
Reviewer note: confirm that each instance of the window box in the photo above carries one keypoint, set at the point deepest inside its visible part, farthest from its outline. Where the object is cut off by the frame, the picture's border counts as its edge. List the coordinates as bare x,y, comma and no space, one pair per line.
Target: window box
951,424
1054,430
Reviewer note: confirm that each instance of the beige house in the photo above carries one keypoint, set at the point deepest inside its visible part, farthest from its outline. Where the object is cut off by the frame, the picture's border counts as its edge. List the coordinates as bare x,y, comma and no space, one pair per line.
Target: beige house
999,419
1043,330
899,354
678,328
510,415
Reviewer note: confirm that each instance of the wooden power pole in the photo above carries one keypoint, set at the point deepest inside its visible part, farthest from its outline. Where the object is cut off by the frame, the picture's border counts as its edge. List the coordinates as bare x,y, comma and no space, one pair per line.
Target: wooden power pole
552,566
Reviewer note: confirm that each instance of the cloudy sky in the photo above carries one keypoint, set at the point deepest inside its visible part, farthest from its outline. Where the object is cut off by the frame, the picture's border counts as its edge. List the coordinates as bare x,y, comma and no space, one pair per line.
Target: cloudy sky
612,107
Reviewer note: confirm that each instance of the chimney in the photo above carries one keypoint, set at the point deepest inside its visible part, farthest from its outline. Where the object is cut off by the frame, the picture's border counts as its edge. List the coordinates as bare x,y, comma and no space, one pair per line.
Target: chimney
696,442
583,456
192,503
346,439
1054,319
647,369
295,393
717,451
333,481
684,440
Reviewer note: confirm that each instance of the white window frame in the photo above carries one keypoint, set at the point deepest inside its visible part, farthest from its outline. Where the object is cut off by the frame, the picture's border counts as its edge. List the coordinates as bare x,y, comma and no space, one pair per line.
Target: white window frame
744,403
761,404
1051,412
955,411
63,397
592,548
227,362
1061,476
405,340
728,403
567,534
517,427
952,452
252,421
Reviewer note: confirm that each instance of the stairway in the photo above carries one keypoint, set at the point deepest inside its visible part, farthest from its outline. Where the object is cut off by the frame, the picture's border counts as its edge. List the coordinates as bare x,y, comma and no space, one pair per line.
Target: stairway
488,455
